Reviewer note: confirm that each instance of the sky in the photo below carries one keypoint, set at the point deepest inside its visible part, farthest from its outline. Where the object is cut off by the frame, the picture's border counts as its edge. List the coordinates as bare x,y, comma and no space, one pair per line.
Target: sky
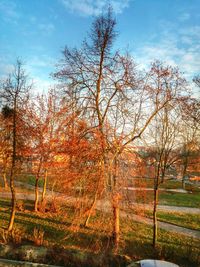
36,31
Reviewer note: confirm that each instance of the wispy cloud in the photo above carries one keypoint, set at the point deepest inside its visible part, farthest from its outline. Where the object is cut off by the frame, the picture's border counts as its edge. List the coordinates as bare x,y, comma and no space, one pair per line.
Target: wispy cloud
90,7
181,49
8,11
41,64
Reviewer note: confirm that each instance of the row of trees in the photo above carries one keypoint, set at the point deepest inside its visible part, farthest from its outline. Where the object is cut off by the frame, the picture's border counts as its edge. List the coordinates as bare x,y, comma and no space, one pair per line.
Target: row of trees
81,133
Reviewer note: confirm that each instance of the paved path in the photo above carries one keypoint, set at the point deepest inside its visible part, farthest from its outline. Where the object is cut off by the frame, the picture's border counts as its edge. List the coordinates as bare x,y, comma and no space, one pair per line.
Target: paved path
181,209
31,196
176,190
106,207
166,226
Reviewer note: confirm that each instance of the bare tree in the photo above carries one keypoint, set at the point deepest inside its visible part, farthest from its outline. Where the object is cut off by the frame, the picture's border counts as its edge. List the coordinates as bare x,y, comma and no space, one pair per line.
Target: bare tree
196,80
163,154
43,116
92,72
14,93
164,131
116,100
190,134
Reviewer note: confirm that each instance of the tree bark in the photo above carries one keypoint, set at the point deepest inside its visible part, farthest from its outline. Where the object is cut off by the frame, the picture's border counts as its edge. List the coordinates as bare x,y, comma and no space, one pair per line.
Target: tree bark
5,180
102,167
13,202
44,186
36,194
86,224
36,186
155,221
185,165
93,205
116,222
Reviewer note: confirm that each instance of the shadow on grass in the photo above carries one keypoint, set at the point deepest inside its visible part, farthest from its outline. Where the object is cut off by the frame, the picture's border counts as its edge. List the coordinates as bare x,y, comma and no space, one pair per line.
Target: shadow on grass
57,231
185,255
5,203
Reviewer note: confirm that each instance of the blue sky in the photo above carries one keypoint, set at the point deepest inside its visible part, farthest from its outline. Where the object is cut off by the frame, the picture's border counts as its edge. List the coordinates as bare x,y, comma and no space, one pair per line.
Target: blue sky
37,30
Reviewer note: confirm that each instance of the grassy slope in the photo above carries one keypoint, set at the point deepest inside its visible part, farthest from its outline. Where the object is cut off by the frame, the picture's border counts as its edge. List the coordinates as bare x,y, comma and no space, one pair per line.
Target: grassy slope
180,199
190,221
136,237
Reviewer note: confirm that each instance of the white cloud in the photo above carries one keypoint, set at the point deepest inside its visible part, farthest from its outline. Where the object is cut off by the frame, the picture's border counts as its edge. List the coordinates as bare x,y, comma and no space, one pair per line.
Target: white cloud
181,49
90,7
39,65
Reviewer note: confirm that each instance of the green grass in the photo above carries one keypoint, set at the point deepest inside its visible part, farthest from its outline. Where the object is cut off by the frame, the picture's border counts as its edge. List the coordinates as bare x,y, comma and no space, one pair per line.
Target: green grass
171,184
30,180
147,182
136,238
167,184
180,199
192,188
172,247
190,221
191,200
177,184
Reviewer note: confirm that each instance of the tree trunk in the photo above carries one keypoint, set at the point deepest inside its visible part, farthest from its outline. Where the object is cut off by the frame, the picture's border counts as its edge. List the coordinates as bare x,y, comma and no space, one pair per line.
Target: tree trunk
13,202
36,194
155,222
115,233
12,172
52,189
183,176
5,180
44,186
185,165
86,224
36,185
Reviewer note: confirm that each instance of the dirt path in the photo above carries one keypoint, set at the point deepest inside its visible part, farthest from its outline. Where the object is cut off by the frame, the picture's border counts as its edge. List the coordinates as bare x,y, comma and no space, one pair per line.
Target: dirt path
106,207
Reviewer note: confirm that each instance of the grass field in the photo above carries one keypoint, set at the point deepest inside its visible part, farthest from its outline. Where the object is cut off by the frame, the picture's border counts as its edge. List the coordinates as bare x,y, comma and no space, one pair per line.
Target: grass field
62,227
167,184
180,199
190,221
170,198
61,230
